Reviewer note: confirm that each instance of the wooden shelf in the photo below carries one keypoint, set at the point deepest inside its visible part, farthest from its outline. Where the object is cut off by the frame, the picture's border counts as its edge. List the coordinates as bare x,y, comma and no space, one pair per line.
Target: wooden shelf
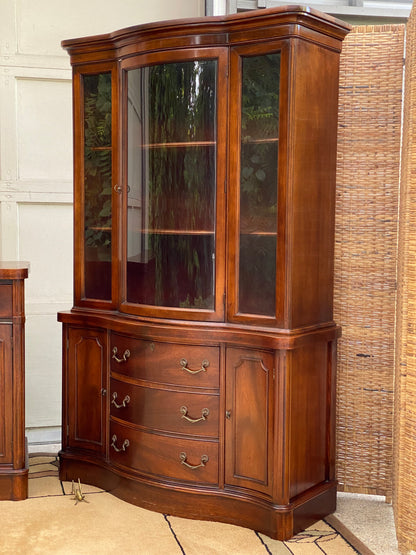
194,232
260,233
251,141
179,144
176,232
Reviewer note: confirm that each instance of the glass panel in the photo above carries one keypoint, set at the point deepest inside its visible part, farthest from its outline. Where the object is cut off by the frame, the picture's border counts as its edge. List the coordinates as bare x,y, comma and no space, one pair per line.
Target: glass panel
172,185
258,184
97,185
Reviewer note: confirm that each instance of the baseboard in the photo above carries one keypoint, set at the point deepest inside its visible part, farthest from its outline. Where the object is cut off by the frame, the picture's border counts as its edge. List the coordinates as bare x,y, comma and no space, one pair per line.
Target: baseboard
45,440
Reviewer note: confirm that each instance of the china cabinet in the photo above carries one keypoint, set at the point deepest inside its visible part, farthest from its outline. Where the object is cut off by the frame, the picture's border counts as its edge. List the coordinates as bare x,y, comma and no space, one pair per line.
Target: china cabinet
199,356
13,458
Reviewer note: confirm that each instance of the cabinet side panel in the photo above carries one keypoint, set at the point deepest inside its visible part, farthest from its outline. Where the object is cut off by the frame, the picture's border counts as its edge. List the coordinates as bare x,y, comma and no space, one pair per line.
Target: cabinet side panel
308,417
313,129
5,393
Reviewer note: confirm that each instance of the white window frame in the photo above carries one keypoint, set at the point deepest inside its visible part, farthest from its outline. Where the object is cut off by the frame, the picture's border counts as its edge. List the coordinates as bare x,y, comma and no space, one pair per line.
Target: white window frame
390,9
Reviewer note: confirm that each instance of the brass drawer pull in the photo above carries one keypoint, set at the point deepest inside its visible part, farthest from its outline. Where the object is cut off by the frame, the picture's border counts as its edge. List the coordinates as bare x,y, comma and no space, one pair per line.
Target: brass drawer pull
204,365
204,460
126,443
126,355
184,411
125,402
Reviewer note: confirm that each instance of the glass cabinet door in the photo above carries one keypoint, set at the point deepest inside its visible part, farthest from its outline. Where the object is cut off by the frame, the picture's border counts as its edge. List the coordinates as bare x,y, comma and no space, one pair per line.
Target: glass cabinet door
97,185
172,176
258,185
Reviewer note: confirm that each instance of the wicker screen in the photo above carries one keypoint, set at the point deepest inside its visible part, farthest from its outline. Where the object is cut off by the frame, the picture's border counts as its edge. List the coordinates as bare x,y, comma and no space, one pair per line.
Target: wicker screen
404,476
366,254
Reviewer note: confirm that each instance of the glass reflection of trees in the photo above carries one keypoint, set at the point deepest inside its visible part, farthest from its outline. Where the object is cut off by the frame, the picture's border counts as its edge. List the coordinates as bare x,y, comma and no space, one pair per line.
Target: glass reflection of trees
258,183
97,159
178,185
97,184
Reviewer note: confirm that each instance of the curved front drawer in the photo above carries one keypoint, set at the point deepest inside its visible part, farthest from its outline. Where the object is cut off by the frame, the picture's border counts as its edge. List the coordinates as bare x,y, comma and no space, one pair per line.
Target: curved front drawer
165,363
161,456
172,411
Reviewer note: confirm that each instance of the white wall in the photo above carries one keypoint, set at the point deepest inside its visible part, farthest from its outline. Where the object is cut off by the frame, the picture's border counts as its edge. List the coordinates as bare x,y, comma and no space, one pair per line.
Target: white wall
36,168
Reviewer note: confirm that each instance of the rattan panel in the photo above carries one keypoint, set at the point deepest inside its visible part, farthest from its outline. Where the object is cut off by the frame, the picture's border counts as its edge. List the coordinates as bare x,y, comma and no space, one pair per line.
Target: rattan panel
404,475
366,254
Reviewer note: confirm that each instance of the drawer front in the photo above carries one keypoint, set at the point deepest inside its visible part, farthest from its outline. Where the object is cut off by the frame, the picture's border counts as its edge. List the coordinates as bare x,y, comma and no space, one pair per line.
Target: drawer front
165,363
6,301
171,411
161,456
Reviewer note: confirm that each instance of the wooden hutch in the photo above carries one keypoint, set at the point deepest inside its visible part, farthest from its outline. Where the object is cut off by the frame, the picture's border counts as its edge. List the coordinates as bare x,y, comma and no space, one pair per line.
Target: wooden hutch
13,453
199,356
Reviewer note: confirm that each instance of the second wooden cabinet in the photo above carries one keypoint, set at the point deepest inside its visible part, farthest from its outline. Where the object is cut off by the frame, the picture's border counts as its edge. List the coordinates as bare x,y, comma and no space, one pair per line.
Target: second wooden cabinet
199,356
14,465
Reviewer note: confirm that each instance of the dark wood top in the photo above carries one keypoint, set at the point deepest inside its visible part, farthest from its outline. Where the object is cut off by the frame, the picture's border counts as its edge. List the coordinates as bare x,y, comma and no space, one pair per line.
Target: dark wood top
14,269
255,25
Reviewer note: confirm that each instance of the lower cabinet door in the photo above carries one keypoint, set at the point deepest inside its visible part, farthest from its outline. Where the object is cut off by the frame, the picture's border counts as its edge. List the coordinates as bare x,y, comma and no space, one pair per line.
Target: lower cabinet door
249,419
6,392
86,388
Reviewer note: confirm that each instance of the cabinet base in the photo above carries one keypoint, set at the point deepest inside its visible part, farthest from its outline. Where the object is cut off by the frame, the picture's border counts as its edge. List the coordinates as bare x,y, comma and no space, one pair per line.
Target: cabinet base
14,484
276,521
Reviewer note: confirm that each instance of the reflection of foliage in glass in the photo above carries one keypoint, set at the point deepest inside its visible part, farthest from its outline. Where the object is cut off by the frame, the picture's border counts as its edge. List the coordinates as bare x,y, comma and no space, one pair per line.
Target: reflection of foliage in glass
182,188
182,109
185,272
182,101
259,185
97,110
260,122
260,96
257,290
97,159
